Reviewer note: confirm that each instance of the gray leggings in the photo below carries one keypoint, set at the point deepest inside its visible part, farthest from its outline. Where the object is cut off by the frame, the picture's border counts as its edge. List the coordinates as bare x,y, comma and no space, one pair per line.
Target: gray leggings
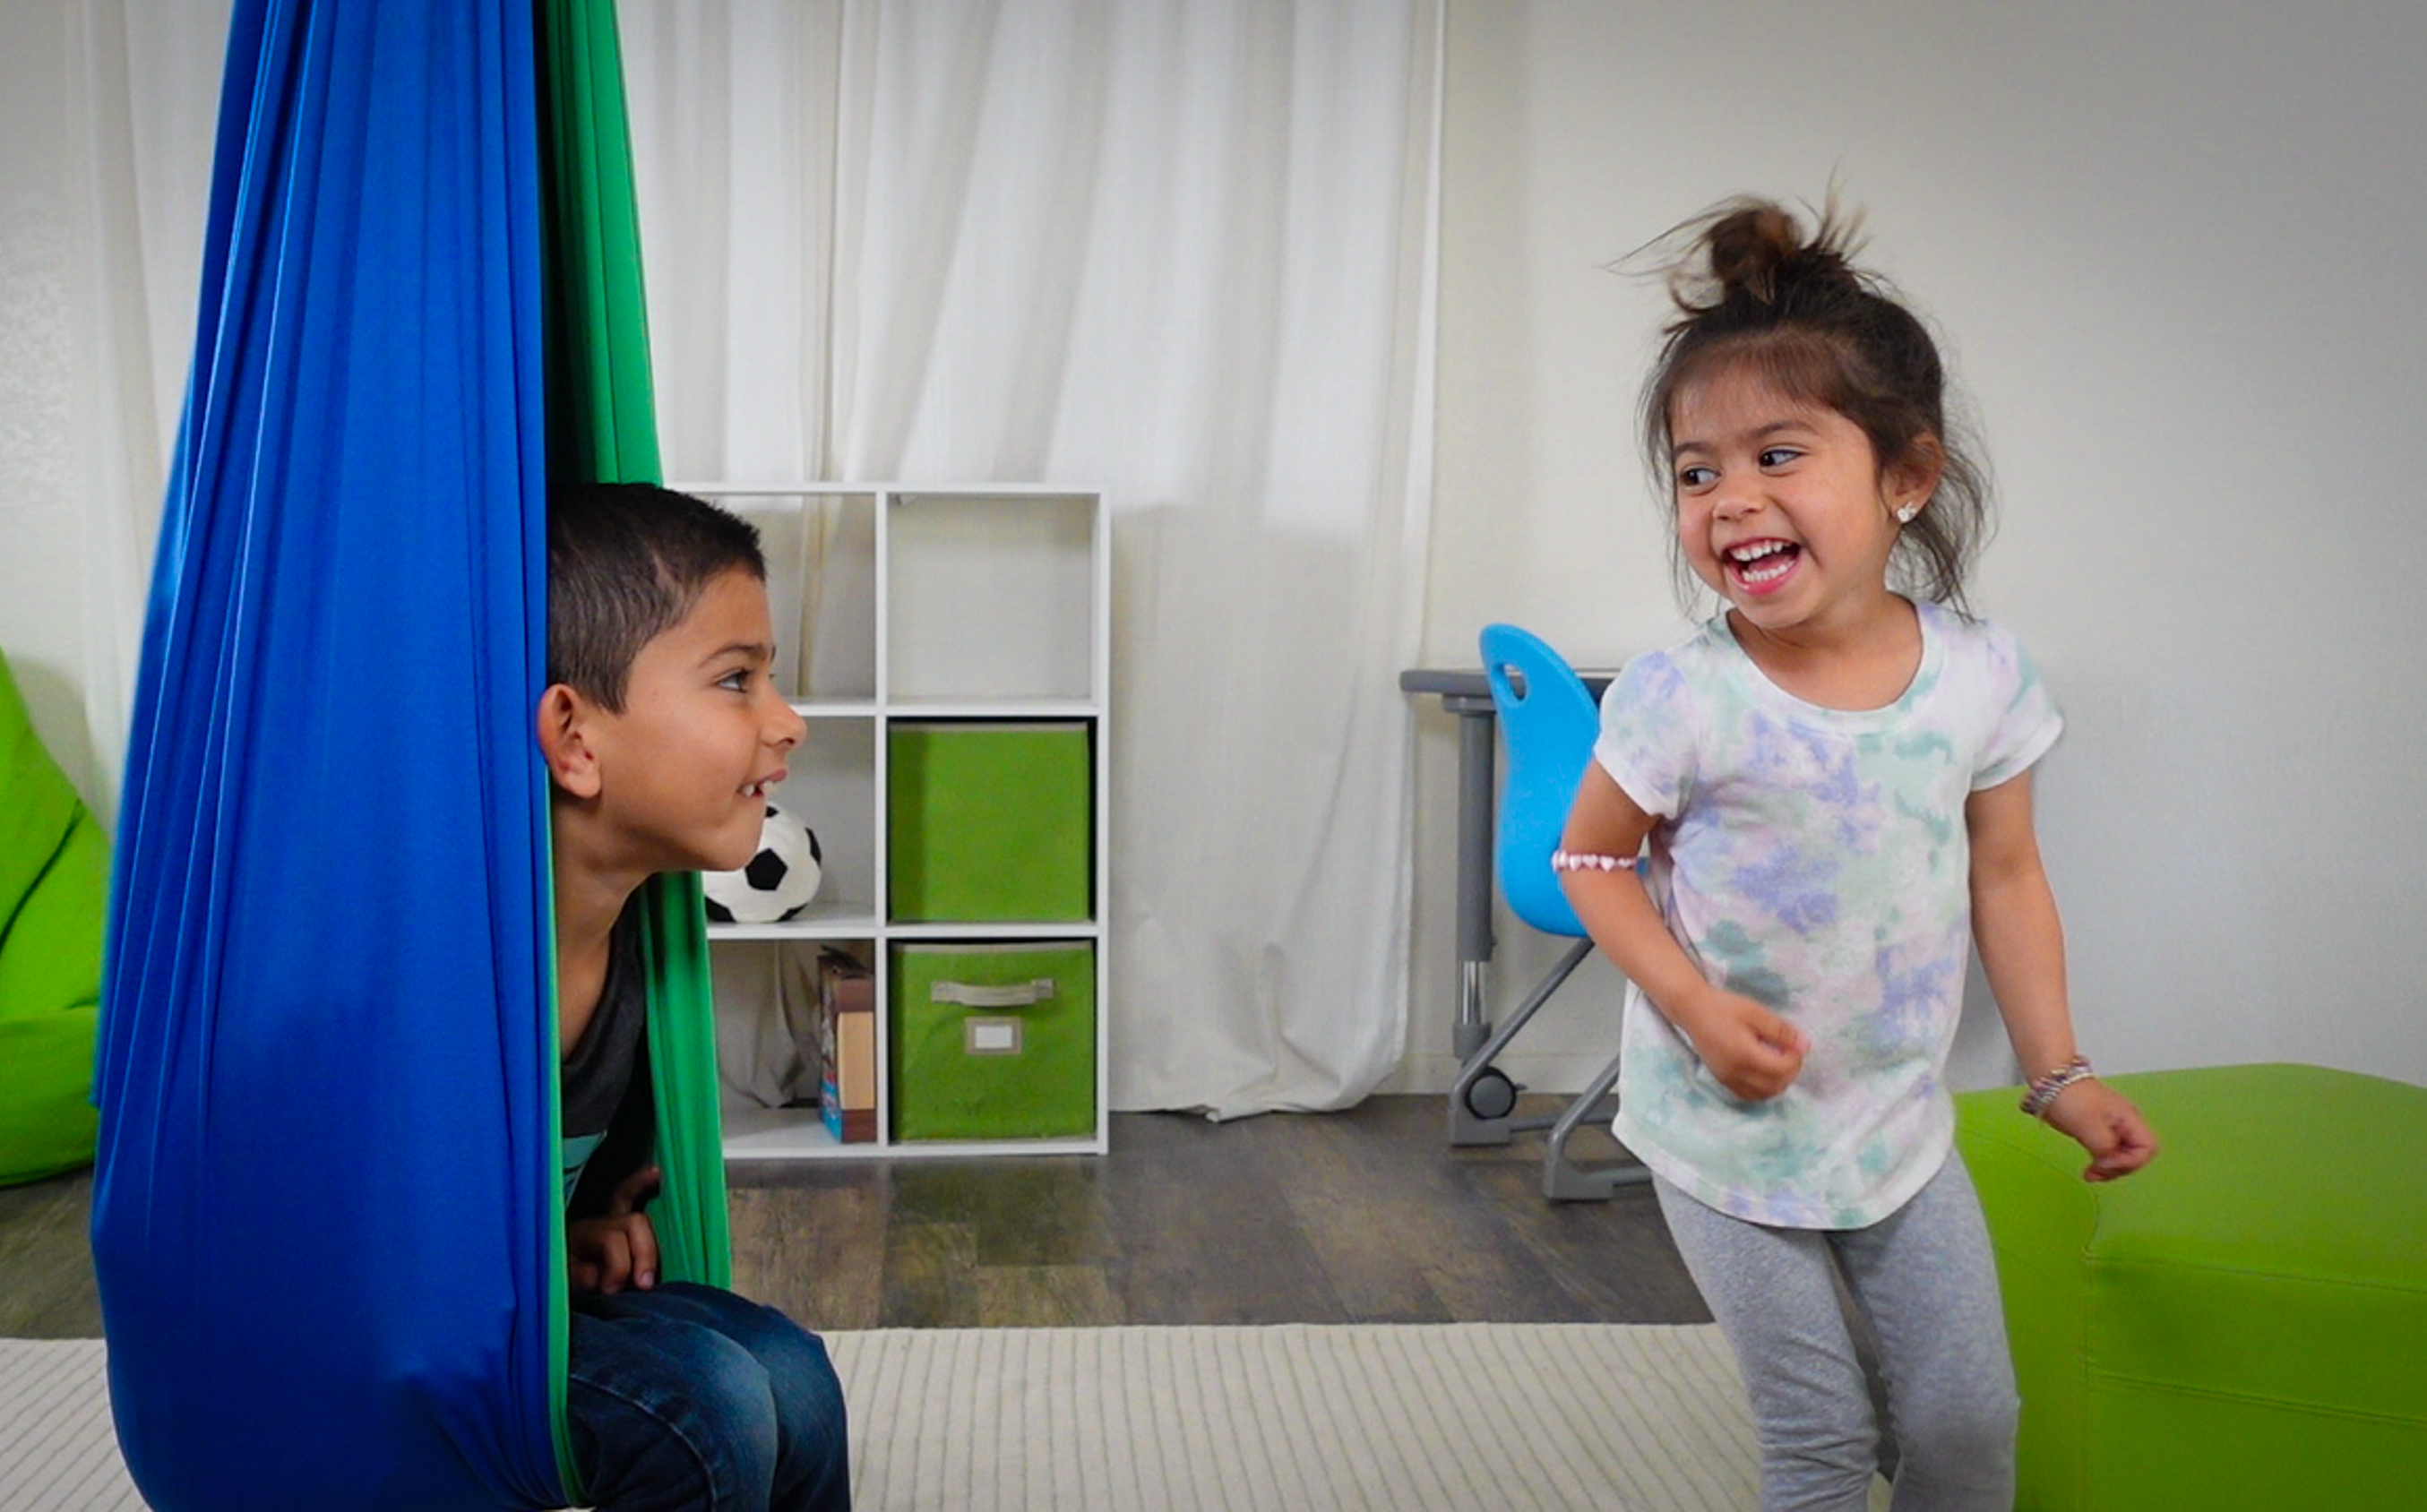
1926,1288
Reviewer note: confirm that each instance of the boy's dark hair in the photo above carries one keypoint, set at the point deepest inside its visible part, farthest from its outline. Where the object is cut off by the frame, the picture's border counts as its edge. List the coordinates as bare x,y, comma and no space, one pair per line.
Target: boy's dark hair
1756,293
626,561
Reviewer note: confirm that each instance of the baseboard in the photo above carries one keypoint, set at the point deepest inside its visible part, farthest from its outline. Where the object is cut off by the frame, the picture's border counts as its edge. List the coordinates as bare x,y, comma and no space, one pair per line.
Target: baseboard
1564,1075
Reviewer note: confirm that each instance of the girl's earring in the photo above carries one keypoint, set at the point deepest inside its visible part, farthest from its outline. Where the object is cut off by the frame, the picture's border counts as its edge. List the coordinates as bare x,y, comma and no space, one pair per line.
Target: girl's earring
1904,515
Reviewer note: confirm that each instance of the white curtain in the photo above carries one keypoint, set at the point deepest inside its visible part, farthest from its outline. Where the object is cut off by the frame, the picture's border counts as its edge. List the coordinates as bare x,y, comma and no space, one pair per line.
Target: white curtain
109,110
1179,253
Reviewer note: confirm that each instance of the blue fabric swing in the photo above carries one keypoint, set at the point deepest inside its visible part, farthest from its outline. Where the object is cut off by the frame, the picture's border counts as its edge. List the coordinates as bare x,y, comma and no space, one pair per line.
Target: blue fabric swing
326,1218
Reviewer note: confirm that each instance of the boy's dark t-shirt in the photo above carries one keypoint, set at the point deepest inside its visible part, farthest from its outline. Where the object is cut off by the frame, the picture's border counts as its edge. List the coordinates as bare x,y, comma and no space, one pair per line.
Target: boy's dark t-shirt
608,1112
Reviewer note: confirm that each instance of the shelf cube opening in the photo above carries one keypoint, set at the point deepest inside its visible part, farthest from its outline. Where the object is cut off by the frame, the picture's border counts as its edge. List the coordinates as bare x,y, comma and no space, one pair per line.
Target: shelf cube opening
821,551
991,597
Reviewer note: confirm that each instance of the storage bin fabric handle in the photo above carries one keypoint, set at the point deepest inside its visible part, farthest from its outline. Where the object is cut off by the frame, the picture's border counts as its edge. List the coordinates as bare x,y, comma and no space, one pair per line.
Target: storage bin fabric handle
983,995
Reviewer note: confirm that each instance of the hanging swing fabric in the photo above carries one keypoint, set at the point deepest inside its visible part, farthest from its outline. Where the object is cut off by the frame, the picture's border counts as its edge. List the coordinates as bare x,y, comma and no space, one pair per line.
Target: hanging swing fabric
602,421
326,1221
325,1212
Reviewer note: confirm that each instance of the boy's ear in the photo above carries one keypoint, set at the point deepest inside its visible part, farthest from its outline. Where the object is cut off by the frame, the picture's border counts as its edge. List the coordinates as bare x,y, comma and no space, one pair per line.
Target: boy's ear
564,721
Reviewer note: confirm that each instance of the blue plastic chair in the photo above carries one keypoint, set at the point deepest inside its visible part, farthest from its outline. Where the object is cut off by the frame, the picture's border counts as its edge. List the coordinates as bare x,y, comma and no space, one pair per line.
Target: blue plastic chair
1549,723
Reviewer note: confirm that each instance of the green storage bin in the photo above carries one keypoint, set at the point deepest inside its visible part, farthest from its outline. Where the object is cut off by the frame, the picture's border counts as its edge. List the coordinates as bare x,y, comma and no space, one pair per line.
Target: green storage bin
994,1041
989,823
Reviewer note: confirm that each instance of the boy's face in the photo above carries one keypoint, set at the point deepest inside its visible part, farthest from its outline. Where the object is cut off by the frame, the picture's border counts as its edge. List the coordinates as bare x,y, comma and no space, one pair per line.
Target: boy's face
686,767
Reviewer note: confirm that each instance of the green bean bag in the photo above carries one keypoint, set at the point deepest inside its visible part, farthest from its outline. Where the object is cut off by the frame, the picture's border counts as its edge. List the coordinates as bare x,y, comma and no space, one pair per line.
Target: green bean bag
53,885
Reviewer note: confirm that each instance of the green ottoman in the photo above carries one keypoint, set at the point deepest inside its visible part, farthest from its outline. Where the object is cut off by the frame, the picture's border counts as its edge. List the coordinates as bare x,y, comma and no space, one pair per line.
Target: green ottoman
2241,1325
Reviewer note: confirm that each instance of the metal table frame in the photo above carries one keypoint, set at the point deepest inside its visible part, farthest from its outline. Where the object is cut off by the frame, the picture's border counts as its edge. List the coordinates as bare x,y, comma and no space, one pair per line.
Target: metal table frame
1466,692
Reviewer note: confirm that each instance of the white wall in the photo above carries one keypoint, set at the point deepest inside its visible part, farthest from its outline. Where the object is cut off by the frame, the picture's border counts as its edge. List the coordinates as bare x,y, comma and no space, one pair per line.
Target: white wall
41,605
2179,249
2181,252
108,109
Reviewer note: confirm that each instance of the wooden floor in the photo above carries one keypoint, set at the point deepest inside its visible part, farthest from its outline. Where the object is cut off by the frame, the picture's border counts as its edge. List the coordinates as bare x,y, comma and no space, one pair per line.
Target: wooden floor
1359,1216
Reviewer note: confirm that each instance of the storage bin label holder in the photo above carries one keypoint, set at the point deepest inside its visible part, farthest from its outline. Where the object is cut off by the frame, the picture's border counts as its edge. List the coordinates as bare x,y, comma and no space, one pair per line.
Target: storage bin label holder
992,1036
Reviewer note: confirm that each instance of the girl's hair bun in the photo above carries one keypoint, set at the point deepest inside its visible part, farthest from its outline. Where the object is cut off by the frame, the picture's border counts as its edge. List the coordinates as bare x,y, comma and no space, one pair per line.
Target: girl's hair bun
1755,251
1749,247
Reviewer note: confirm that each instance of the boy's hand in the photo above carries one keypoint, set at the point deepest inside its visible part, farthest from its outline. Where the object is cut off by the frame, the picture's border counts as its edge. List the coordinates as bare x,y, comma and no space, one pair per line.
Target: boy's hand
1755,1053
2103,1122
618,1248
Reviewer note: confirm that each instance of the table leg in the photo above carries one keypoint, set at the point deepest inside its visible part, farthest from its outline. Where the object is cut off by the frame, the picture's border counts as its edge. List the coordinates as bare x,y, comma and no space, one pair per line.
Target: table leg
1477,729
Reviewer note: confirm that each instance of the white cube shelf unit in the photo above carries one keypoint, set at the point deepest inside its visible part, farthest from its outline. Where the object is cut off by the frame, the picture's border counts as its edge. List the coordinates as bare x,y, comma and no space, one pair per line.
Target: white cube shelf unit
979,607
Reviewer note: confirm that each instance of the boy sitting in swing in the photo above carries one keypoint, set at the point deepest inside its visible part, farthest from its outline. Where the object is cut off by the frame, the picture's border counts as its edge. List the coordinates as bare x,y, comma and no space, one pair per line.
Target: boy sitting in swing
663,733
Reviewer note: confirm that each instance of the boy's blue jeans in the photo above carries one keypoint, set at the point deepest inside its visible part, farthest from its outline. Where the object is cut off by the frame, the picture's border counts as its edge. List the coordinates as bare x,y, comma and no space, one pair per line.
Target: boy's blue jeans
685,1397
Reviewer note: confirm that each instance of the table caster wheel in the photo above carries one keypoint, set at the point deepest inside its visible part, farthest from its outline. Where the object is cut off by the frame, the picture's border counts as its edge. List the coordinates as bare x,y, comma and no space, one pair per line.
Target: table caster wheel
1490,1095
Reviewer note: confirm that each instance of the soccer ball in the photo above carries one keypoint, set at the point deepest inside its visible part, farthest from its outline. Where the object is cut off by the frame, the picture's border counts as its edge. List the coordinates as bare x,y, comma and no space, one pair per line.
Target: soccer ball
780,881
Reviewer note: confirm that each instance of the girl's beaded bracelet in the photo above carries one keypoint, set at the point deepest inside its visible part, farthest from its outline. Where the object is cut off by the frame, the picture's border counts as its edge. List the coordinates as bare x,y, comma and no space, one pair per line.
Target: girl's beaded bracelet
1589,861
2043,1091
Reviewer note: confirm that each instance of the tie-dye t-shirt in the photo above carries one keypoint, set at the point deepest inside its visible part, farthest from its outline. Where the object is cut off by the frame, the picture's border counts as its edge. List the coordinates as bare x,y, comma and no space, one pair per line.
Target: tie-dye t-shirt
1817,861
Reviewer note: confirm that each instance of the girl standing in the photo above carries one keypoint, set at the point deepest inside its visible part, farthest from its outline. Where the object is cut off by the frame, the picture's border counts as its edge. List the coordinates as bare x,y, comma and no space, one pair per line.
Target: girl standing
1830,789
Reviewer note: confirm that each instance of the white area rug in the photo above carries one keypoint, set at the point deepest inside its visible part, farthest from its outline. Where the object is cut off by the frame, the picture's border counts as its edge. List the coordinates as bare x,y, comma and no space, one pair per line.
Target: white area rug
57,1447
1140,1420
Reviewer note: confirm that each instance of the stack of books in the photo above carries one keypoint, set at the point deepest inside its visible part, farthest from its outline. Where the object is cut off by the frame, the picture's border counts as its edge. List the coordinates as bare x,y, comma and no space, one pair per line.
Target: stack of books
847,1043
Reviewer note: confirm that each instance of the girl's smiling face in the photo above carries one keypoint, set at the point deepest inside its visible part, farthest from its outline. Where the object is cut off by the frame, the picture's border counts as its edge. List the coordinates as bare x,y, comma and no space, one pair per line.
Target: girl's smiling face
1782,507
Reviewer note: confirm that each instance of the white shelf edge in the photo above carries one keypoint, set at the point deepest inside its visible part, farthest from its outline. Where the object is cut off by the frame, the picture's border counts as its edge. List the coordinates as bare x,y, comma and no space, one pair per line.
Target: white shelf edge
829,488
1030,708
868,927
921,1149
1018,928
851,921
783,1134
812,1142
